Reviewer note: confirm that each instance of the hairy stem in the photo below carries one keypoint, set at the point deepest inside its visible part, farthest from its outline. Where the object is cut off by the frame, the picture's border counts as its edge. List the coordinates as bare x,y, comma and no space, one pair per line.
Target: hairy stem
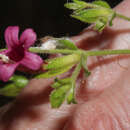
88,53
54,51
2,50
106,52
123,17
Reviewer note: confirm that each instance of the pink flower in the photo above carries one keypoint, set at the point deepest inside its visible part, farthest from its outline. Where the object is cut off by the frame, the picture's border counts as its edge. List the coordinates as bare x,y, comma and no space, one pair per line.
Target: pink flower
18,52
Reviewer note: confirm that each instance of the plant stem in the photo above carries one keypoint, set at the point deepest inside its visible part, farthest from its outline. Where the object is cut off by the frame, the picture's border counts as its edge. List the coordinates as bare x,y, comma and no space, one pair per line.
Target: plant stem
123,17
2,49
88,53
76,72
62,51
106,52
74,77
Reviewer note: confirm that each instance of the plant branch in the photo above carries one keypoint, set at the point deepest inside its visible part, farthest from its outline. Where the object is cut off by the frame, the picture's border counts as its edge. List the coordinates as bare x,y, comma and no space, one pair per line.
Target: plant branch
122,17
106,52
88,53
53,51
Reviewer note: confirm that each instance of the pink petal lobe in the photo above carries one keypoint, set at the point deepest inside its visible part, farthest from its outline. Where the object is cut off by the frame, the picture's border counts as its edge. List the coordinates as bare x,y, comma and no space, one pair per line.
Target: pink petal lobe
7,70
28,37
32,61
11,36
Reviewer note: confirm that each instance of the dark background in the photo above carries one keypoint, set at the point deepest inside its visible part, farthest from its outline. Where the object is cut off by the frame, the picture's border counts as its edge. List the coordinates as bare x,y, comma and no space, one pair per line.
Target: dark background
46,17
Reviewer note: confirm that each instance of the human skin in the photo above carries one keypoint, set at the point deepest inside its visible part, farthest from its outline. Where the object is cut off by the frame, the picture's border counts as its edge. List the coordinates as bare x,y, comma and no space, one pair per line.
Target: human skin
103,98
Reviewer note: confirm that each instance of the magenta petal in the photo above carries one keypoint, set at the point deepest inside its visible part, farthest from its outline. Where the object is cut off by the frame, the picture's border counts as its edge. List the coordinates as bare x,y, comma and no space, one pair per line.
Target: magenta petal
11,36
6,71
28,37
32,61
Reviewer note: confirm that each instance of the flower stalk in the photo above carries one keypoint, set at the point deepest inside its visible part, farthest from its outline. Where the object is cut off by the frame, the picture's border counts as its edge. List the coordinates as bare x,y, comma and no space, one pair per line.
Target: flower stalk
80,51
53,51
122,17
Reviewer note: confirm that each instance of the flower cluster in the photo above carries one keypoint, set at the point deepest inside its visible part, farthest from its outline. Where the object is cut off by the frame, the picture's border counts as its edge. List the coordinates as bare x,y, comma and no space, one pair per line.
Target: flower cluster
17,52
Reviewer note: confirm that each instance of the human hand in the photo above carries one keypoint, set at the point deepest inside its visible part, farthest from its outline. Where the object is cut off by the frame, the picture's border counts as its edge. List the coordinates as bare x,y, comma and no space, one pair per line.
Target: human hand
103,98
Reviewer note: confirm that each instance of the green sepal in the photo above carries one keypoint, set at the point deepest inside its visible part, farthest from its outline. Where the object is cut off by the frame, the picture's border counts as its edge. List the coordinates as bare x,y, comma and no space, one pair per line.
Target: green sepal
65,90
70,93
101,3
62,61
112,18
66,44
58,96
62,93
91,15
94,12
100,24
54,72
19,81
84,65
59,82
14,86
78,1
74,6
70,97
10,90
82,4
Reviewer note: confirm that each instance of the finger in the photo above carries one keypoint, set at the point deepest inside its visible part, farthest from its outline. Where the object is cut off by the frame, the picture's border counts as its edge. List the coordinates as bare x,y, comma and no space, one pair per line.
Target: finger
110,111
32,110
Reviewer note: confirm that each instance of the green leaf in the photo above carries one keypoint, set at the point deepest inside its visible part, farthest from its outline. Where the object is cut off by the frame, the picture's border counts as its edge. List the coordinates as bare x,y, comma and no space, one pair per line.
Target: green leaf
101,3
58,96
67,44
84,65
62,61
54,72
91,15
